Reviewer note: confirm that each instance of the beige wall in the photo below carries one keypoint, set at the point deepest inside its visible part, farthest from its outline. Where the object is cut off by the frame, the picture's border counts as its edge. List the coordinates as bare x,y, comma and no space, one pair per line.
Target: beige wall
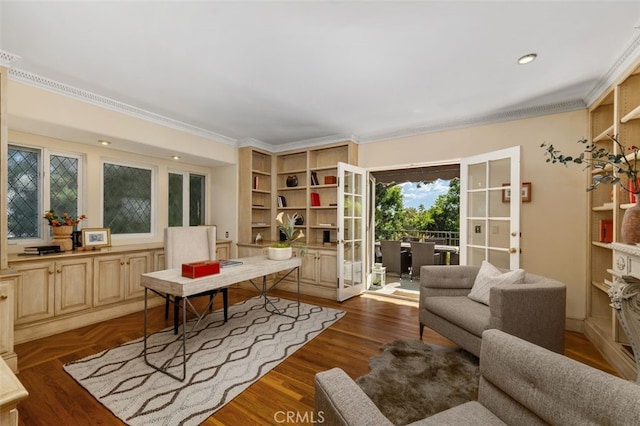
62,123
554,241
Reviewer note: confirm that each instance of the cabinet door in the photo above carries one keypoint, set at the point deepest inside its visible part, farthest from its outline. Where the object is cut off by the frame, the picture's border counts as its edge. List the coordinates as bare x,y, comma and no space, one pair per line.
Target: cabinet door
73,287
136,264
34,291
327,268
6,316
222,251
309,268
108,280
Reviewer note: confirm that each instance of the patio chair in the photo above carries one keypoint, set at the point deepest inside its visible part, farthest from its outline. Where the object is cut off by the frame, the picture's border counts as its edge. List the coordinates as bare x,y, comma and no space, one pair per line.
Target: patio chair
394,257
423,254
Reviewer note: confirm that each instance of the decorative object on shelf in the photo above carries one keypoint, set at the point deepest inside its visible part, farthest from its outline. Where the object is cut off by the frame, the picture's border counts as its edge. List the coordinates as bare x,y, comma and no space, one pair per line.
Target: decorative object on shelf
330,180
610,168
315,199
282,202
606,230
300,220
284,249
314,179
258,238
292,181
94,238
625,295
62,228
76,238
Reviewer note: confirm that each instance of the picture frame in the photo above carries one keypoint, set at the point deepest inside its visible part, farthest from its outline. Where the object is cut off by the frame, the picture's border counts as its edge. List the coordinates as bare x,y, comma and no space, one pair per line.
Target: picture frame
525,193
94,238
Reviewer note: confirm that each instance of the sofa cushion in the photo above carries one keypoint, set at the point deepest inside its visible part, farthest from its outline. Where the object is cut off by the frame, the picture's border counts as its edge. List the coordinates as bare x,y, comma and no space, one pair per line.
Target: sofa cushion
461,311
490,276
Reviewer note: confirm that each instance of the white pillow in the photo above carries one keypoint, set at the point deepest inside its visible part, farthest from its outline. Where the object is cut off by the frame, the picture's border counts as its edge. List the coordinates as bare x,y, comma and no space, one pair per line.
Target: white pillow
490,276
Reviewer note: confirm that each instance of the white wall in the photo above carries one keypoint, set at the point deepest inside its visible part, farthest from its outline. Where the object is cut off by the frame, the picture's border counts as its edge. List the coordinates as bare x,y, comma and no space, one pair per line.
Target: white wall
554,240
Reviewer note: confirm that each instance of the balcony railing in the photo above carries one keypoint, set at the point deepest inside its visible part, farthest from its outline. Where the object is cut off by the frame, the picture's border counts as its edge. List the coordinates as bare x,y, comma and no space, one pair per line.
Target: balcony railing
451,238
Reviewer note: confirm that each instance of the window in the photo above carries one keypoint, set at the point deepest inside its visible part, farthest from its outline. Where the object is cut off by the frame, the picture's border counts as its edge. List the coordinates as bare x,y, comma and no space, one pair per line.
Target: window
127,199
187,199
30,191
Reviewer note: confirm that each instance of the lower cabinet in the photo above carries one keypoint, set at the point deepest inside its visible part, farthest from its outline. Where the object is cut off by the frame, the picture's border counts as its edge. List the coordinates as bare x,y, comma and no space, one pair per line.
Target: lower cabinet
318,272
117,277
45,289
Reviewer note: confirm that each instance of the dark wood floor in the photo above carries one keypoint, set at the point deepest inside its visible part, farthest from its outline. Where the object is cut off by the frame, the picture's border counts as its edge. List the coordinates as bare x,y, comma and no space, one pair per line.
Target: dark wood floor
371,321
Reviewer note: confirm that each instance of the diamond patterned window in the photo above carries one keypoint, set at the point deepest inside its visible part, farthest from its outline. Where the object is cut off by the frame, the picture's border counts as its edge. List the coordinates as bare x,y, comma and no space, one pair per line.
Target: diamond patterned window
127,199
30,193
23,193
196,200
63,184
186,194
175,199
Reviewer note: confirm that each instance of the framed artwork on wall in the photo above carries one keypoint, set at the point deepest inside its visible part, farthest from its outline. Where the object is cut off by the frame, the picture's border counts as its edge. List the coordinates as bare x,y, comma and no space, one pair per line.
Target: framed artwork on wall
526,192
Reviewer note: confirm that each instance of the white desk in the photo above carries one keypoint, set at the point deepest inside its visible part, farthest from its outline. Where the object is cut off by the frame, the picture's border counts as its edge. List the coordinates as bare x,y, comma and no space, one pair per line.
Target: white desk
171,282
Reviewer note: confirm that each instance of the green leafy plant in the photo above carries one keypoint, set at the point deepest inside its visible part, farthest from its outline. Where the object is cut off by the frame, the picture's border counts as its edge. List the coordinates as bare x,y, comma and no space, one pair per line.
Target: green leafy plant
286,224
609,166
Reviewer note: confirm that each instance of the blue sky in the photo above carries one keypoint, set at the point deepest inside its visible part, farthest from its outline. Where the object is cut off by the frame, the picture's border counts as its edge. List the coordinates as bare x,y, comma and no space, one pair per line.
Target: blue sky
425,195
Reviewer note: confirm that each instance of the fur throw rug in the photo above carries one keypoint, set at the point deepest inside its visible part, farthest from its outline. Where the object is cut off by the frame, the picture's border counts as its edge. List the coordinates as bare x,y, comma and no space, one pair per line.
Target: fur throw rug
411,380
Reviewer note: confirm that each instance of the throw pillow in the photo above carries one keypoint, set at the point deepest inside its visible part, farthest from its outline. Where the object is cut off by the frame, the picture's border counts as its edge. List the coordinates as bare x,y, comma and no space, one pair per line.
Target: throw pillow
489,276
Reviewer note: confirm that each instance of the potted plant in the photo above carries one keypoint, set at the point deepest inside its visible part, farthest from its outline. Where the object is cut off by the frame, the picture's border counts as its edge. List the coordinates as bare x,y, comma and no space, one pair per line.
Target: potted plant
284,249
62,228
609,167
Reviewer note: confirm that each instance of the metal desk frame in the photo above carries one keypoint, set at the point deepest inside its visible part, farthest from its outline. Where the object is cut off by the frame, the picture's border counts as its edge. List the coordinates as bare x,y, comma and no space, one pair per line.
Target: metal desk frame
171,282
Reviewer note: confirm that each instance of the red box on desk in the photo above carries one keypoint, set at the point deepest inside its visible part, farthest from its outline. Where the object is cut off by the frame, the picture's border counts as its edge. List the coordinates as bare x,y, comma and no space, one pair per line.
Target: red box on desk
200,269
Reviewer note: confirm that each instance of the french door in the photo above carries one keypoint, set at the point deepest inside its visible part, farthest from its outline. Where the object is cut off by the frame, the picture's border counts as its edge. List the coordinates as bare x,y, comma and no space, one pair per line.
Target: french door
490,196
352,237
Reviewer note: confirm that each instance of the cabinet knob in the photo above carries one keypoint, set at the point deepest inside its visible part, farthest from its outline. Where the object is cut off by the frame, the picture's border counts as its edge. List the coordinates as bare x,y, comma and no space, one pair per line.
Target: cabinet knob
121,263
3,297
59,271
50,272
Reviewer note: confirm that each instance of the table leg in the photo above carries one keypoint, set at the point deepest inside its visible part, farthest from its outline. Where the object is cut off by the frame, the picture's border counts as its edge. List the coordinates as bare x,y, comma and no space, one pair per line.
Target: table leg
264,292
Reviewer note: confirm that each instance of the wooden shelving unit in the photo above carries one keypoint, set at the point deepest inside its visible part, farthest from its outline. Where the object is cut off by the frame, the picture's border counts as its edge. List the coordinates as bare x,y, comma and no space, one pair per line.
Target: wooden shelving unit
311,168
616,113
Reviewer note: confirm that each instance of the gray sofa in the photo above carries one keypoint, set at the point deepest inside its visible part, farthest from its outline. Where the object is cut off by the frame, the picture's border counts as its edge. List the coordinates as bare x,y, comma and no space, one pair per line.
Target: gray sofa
533,310
520,384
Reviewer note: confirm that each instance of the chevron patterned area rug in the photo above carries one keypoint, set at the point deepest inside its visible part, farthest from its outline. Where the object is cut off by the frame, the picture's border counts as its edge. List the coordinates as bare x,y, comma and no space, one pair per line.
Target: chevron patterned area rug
223,360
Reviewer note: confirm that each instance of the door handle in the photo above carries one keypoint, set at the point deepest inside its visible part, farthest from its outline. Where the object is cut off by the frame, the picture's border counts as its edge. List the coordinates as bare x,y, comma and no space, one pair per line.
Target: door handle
512,250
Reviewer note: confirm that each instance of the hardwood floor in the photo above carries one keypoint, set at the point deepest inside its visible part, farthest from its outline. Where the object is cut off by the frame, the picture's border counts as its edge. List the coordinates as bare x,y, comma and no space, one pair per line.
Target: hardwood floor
371,321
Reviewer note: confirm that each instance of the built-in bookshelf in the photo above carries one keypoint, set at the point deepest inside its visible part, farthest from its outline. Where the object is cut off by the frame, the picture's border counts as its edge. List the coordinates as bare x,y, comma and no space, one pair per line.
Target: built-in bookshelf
301,181
616,113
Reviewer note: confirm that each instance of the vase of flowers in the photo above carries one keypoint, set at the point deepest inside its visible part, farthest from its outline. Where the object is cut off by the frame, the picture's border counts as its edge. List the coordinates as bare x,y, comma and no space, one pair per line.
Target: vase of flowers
291,238
619,168
62,228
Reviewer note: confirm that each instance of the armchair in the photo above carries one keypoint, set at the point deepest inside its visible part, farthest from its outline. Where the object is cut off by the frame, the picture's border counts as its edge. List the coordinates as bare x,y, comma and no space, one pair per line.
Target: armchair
533,310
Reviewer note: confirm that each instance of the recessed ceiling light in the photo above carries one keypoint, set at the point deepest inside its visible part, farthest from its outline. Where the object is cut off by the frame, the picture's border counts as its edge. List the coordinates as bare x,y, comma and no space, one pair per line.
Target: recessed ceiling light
175,157
527,59
102,142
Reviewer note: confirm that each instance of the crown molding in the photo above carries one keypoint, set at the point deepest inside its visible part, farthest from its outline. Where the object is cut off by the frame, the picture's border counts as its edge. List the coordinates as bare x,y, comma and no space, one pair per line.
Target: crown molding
479,120
113,105
8,59
628,58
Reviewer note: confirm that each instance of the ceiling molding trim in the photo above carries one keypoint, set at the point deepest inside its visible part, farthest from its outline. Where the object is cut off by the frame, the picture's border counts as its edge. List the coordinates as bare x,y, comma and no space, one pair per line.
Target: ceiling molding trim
628,58
473,121
113,105
310,143
302,144
7,59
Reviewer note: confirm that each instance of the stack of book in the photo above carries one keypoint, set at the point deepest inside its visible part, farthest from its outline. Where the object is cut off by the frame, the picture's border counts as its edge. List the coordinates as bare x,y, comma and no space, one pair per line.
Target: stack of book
42,249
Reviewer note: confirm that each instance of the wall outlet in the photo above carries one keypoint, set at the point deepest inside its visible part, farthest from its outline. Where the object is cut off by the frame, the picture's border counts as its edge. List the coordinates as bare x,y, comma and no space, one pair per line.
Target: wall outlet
226,234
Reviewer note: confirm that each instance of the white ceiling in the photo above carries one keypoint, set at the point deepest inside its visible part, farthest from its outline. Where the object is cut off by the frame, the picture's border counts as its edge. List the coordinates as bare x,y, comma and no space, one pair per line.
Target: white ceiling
300,72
